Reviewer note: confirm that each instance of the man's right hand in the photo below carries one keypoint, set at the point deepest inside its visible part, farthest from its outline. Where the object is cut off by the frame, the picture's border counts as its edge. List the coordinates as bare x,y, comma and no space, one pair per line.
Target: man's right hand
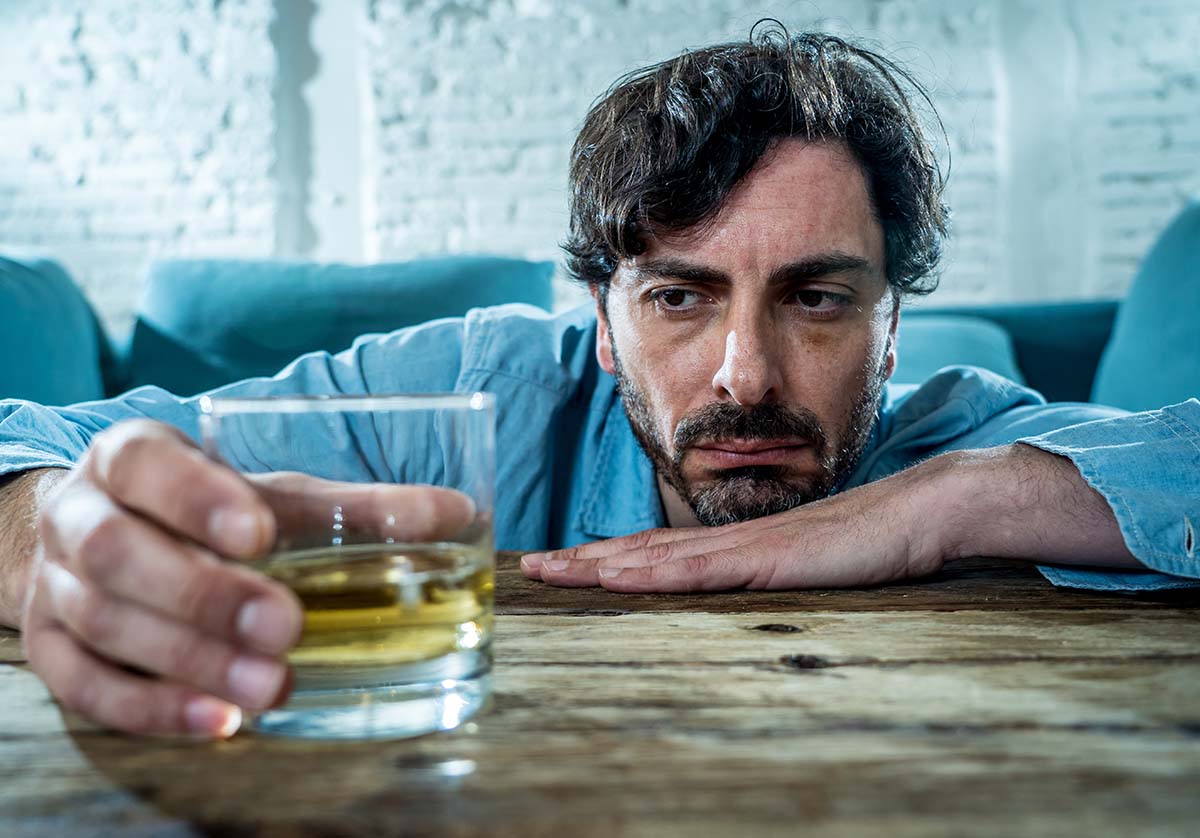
136,619
133,619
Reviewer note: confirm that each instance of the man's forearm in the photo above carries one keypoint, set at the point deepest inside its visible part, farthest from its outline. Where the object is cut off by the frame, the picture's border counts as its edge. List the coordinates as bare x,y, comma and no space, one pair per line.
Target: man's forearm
21,497
1021,502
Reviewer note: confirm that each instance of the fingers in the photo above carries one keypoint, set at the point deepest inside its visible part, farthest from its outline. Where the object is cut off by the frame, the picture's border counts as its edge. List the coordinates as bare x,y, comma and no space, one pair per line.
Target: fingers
126,702
702,560
88,685
639,543
127,633
155,470
126,557
304,505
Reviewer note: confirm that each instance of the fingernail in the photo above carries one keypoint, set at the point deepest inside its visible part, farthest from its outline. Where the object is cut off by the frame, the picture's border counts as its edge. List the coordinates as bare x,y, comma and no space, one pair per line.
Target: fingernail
255,681
610,572
557,564
266,625
212,717
235,532
532,561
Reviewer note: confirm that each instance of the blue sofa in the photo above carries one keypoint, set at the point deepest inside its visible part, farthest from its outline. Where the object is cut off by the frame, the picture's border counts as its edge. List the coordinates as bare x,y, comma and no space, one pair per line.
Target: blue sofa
1139,353
203,323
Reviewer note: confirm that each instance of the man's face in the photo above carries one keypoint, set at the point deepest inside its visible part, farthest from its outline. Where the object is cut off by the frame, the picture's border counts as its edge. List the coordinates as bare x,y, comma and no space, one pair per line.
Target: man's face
751,352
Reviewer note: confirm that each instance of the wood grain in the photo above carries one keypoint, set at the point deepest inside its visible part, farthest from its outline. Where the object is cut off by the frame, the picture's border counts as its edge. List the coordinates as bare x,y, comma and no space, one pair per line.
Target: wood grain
983,702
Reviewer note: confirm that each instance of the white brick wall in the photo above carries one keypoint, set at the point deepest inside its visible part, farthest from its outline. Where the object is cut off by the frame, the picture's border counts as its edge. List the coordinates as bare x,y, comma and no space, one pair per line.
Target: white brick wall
134,128
385,129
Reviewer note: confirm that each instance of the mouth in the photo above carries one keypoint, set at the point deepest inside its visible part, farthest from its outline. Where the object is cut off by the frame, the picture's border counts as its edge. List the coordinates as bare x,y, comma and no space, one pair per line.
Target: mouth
737,453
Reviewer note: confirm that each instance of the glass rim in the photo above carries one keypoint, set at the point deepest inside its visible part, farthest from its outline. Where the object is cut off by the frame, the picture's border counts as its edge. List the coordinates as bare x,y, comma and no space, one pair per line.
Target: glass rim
217,406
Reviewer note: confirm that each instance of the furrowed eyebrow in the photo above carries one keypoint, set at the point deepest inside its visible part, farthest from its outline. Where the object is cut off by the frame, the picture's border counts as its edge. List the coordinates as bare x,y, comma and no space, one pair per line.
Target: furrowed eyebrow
678,269
804,270
807,270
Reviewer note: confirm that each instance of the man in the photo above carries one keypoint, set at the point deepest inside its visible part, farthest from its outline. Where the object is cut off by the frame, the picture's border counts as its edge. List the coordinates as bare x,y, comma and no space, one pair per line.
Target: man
748,218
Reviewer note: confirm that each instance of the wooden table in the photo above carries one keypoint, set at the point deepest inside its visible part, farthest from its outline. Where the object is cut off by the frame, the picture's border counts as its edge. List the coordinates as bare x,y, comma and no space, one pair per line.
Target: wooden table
983,701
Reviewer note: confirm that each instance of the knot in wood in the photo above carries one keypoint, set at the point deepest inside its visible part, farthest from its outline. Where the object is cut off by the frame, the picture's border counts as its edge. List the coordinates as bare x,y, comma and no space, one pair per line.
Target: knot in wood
806,661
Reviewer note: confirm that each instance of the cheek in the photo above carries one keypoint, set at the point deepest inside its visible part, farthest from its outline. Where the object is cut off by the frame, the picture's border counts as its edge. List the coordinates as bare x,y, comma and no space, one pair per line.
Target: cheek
672,377
830,369
674,384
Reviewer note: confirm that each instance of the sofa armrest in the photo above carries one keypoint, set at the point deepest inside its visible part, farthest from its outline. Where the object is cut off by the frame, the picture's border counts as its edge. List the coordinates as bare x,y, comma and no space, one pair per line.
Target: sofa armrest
54,349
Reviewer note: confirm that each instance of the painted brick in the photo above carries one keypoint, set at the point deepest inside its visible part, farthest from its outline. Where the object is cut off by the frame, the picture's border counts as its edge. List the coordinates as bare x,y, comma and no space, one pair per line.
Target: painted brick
142,128
134,129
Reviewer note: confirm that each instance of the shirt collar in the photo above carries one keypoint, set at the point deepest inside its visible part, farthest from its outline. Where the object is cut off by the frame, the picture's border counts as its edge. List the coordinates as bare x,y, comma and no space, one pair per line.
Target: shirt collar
622,493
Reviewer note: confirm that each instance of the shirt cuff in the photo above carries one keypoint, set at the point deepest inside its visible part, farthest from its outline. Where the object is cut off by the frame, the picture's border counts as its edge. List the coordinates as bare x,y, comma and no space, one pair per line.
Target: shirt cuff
1110,580
15,459
1146,467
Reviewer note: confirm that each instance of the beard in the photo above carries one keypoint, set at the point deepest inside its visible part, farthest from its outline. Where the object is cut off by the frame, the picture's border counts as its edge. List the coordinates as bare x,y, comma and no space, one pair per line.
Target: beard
740,494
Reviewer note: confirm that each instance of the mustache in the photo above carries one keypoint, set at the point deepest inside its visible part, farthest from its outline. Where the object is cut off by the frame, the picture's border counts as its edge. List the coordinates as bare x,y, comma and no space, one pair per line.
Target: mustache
724,421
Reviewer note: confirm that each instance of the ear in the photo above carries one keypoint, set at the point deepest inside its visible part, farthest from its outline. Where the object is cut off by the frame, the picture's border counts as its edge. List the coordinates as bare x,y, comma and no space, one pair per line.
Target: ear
890,363
604,353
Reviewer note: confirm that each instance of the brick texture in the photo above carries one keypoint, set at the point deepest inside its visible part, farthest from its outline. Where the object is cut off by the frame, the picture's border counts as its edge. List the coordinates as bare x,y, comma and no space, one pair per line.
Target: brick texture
137,128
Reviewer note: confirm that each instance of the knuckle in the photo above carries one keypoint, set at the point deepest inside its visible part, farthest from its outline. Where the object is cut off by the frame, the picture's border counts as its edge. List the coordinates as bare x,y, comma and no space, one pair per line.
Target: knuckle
206,597
694,567
80,693
197,660
119,453
120,469
94,617
660,552
641,540
103,548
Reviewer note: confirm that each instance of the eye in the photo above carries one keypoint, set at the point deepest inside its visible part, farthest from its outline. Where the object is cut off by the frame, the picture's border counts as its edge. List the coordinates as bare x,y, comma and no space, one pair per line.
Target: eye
820,303
676,299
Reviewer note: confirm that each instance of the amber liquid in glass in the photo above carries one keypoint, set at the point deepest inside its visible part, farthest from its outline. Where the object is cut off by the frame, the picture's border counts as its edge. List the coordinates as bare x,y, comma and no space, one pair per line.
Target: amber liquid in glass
371,611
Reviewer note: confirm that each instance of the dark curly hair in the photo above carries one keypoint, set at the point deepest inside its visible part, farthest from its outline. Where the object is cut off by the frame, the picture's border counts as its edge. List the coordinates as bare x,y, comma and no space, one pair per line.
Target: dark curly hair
663,149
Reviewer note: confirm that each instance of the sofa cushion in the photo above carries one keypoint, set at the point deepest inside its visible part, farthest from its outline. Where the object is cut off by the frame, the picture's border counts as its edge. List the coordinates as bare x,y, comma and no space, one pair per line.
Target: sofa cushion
50,341
926,343
1153,357
204,323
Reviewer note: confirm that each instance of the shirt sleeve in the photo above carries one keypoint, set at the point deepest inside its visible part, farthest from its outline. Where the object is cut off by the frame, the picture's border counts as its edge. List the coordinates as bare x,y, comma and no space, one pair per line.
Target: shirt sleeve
1147,467
421,359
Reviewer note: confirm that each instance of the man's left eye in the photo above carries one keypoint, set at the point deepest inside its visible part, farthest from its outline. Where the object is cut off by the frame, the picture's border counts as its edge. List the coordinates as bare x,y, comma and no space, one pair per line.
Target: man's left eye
821,301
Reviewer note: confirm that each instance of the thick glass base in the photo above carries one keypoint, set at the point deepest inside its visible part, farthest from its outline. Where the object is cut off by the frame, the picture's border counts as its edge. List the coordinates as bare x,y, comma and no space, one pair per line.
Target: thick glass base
404,708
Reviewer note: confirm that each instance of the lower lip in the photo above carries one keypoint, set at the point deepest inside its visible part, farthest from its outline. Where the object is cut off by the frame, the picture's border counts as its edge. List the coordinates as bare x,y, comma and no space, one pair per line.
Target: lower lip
719,458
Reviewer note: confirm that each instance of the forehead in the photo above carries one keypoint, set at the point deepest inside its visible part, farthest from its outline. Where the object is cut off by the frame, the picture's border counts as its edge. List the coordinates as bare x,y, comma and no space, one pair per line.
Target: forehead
801,199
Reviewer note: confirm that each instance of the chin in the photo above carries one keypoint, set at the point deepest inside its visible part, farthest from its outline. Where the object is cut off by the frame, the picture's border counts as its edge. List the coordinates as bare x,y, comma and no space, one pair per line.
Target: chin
744,496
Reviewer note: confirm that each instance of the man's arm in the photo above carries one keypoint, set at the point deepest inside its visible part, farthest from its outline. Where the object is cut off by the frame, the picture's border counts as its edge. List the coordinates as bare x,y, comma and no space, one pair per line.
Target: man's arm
1118,493
1012,501
21,496
1020,502
34,437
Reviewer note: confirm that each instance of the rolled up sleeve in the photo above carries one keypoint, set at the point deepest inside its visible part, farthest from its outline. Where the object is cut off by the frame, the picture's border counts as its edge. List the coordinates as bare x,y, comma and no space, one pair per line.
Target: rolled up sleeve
425,358
1147,467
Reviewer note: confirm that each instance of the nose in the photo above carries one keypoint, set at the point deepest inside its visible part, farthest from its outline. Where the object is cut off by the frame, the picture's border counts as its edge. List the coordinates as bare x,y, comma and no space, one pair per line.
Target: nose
749,373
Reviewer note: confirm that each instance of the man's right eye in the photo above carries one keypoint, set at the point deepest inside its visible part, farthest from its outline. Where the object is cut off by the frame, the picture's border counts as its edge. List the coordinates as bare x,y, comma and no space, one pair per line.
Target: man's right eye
676,299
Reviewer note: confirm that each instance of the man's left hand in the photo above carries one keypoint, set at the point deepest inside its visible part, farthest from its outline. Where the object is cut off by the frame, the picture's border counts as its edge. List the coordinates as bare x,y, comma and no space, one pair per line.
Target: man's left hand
865,536
1013,501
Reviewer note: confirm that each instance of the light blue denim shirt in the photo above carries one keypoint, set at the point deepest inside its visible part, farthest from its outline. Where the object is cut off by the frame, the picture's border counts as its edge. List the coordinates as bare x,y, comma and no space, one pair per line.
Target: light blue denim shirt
569,469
